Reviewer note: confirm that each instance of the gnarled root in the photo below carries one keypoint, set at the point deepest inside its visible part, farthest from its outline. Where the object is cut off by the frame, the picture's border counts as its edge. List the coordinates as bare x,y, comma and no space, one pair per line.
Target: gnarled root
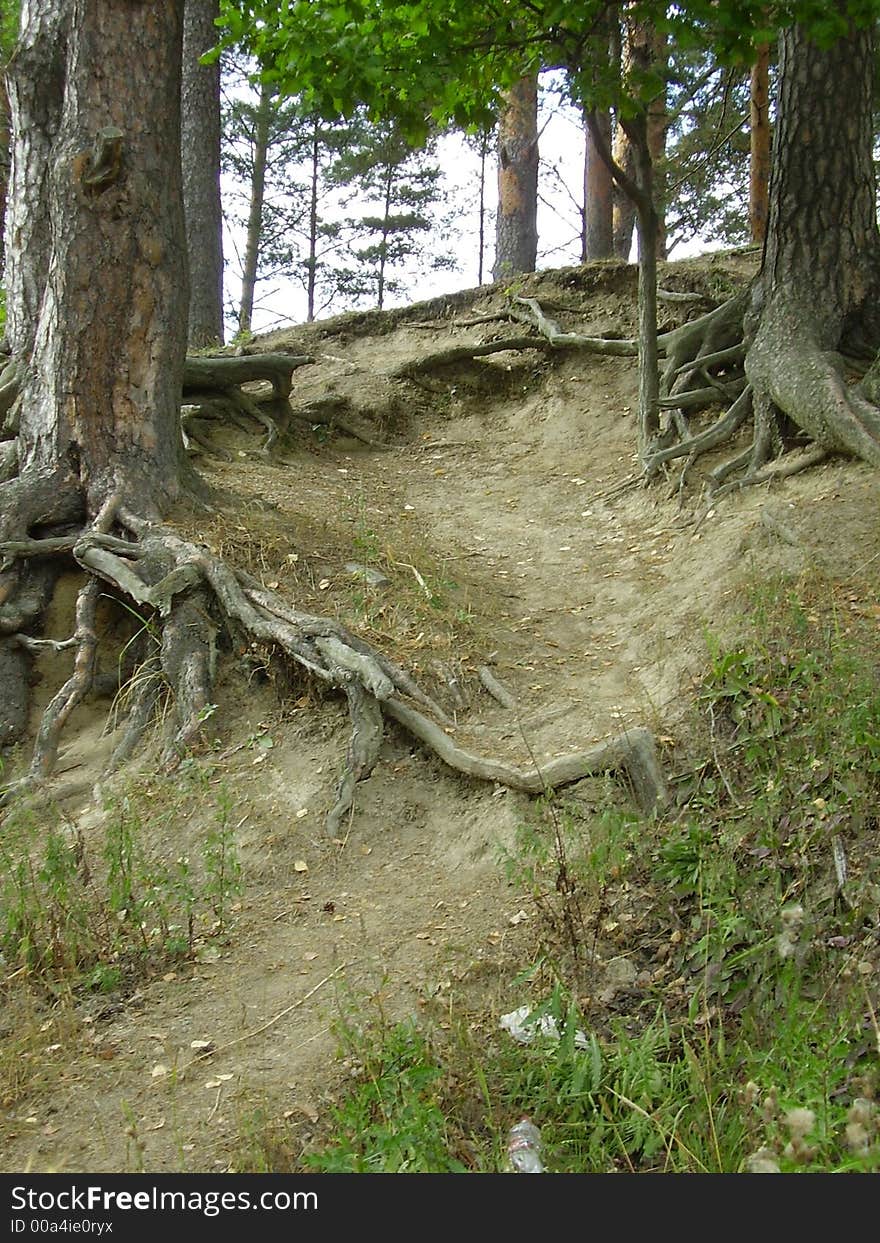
191,595
808,384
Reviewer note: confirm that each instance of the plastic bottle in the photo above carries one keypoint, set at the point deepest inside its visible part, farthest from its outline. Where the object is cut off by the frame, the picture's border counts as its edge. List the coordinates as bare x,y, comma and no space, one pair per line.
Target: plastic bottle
524,1148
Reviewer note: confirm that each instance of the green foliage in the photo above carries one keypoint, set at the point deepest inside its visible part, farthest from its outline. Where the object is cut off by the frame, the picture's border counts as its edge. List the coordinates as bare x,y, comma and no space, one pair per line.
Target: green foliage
391,1122
449,61
9,18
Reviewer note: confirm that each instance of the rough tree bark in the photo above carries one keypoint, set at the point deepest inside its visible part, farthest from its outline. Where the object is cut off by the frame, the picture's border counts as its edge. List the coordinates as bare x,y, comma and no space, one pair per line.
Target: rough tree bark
97,299
759,144
817,297
96,285
4,164
200,150
516,225
598,239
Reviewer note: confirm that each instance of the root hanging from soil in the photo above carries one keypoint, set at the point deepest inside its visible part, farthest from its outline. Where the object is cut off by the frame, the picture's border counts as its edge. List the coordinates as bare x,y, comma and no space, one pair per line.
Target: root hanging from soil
188,596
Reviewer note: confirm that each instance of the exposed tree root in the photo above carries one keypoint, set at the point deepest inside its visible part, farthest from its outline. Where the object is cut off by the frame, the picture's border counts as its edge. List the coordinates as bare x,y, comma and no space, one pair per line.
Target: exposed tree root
189,595
220,373
550,330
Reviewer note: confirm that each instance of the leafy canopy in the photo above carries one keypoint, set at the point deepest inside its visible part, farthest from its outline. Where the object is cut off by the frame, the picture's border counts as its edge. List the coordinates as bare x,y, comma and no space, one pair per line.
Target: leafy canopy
448,61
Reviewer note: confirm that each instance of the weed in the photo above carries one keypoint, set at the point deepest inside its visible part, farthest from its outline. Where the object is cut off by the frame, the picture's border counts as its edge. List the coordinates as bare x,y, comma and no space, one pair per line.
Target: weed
220,860
391,1122
101,914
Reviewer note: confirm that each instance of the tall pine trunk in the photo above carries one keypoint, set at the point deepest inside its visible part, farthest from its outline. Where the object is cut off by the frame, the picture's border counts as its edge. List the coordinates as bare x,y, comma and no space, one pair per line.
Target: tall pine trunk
644,49
598,235
97,289
516,226
200,155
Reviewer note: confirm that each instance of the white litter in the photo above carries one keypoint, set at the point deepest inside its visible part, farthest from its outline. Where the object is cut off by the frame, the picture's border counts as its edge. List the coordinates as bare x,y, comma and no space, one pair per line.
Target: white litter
524,1029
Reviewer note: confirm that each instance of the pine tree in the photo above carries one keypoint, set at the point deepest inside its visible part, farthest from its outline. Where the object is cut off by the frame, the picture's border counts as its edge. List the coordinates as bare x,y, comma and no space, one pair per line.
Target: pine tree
394,193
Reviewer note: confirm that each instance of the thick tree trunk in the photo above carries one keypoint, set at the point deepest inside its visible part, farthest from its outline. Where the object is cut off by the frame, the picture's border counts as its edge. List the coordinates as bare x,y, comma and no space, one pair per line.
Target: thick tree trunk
255,215
97,285
200,152
598,239
817,297
759,144
516,226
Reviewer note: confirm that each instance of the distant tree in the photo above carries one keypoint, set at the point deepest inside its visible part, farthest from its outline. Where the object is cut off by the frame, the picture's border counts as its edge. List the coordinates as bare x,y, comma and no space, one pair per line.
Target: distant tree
643,54
707,158
279,161
263,144
255,123
200,147
394,192
598,230
481,144
516,224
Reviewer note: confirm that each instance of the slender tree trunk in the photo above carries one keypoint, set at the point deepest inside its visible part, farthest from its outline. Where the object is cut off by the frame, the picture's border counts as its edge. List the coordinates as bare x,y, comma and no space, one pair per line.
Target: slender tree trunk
624,209
484,152
819,288
200,156
649,252
312,263
639,190
255,215
759,153
516,230
386,228
5,155
598,235
97,277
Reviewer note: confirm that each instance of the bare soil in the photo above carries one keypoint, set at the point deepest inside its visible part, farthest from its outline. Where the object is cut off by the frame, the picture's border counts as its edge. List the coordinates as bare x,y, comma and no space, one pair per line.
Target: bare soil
505,514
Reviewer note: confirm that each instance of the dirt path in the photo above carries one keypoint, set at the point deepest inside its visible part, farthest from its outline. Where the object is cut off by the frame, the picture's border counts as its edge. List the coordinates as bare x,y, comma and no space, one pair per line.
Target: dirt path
590,597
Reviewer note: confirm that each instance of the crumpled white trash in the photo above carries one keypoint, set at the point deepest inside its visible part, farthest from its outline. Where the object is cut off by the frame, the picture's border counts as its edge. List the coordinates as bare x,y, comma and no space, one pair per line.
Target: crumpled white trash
525,1030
